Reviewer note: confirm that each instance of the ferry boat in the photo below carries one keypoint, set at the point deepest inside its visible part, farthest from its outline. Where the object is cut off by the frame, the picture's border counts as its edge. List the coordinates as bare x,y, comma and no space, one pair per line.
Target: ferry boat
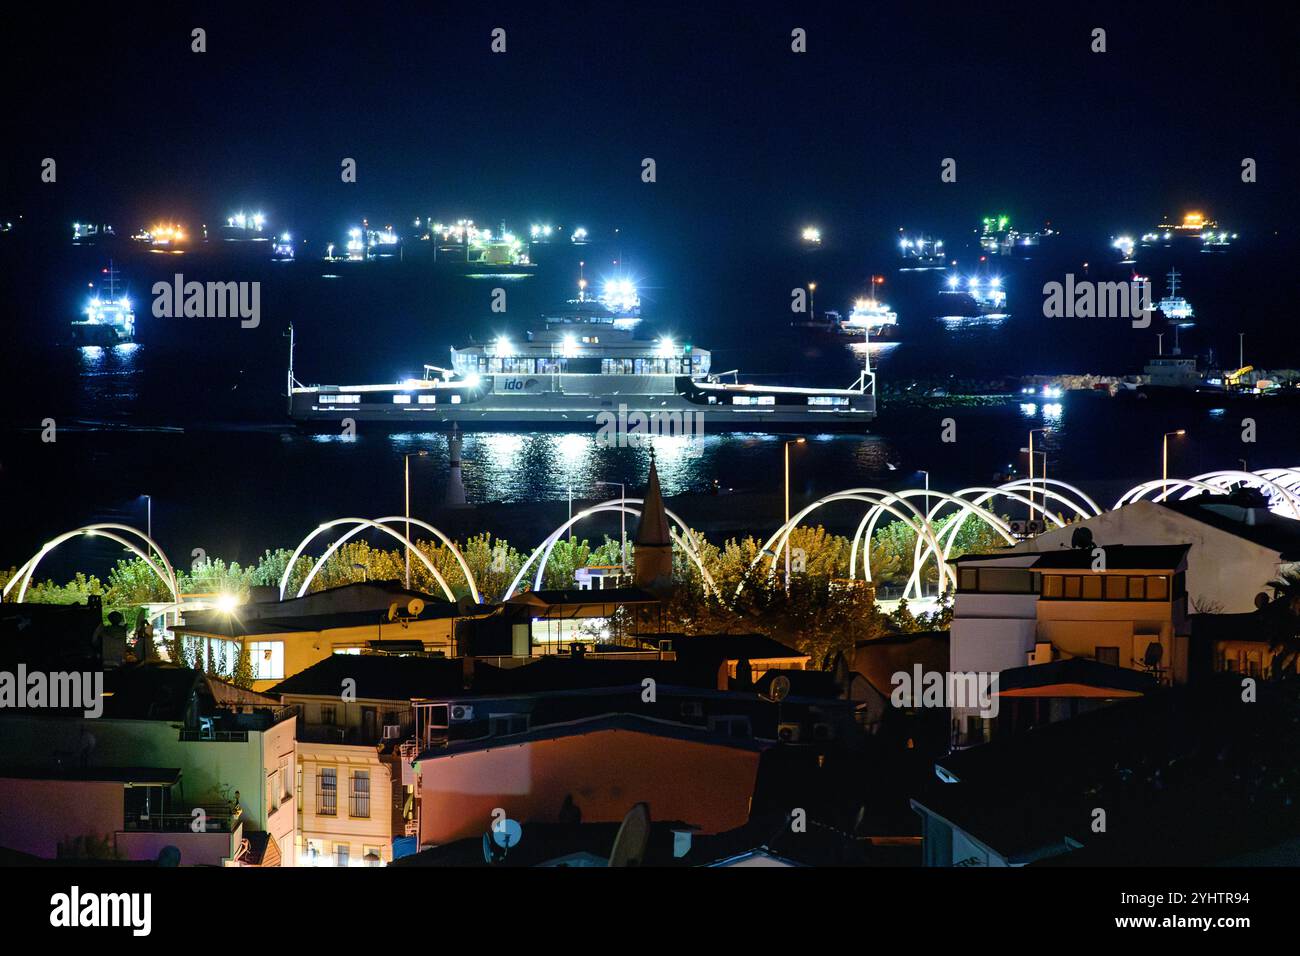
997,237
590,361
109,319
921,252
89,232
282,248
244,227
872,317
1194,226
1176,310
985,293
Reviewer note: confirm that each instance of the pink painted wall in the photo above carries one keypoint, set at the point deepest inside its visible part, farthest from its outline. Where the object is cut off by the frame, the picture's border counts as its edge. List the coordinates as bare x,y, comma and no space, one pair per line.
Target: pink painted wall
39,814
606,772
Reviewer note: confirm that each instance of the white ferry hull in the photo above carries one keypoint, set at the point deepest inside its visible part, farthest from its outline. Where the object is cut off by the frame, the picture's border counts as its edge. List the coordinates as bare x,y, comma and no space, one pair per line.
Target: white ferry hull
496,405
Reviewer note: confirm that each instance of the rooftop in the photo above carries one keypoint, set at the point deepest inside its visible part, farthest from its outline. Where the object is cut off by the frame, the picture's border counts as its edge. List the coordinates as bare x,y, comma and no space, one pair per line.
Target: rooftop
1119,557
625,723
377,676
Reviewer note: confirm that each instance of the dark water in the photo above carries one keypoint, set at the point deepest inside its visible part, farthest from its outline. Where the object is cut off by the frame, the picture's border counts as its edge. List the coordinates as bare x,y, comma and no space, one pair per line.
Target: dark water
193,414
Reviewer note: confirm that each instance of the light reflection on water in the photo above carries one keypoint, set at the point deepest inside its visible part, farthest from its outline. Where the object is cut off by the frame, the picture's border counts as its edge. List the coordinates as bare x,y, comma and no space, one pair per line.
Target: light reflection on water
524,466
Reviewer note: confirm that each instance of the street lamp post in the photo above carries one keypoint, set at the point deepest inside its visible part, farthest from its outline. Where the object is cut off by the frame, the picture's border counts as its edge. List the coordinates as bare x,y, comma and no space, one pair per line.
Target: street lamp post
927,510
407,547
622,527
1032,512
148,516
1164,461
812,300
793,441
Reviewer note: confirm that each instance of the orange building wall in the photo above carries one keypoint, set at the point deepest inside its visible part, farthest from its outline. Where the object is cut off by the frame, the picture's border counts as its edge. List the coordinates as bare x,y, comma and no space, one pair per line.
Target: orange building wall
606,772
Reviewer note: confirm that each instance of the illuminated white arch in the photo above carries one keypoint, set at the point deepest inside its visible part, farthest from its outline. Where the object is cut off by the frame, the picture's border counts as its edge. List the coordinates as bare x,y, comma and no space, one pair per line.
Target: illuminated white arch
1039,486
885,500
358,528
867,525
366,522
685,540
102,530
1279,481
1228,478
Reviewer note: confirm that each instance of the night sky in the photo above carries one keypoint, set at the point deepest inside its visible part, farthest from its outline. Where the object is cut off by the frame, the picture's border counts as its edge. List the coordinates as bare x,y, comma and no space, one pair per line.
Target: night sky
748,136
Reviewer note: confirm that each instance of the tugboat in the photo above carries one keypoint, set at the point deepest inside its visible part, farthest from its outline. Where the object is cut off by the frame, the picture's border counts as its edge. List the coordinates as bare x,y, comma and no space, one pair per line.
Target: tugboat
109,320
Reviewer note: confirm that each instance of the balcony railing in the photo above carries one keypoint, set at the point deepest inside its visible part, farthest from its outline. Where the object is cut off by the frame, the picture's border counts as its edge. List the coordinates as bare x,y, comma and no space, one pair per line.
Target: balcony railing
216,818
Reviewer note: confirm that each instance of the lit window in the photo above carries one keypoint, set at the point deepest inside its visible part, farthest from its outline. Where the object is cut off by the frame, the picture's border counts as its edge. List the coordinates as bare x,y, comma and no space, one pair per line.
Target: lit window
401,399
428,399
455,399
267,659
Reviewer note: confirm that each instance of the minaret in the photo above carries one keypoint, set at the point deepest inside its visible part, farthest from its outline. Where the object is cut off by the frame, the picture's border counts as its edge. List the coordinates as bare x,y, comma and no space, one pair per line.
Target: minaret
455,487
652,557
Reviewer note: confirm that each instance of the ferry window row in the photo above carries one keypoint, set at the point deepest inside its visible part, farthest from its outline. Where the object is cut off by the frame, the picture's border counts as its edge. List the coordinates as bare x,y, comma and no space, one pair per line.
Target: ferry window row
645,366
614,366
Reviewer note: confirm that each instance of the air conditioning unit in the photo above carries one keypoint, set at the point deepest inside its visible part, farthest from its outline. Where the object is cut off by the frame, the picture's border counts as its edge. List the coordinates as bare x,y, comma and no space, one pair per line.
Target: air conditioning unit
1026,529
461,712
692,708
788,733
823,731
392,731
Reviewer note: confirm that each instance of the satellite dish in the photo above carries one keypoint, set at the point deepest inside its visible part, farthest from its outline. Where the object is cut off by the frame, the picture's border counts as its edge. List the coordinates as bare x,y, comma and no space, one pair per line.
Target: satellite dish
1082,538
169,856
507,833
1155,652
1261,601
415,608
633,835
393,610
779,689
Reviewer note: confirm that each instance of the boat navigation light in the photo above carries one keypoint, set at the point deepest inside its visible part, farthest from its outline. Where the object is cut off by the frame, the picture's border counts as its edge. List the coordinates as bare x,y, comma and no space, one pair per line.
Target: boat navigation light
996,283
952,282
973,282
